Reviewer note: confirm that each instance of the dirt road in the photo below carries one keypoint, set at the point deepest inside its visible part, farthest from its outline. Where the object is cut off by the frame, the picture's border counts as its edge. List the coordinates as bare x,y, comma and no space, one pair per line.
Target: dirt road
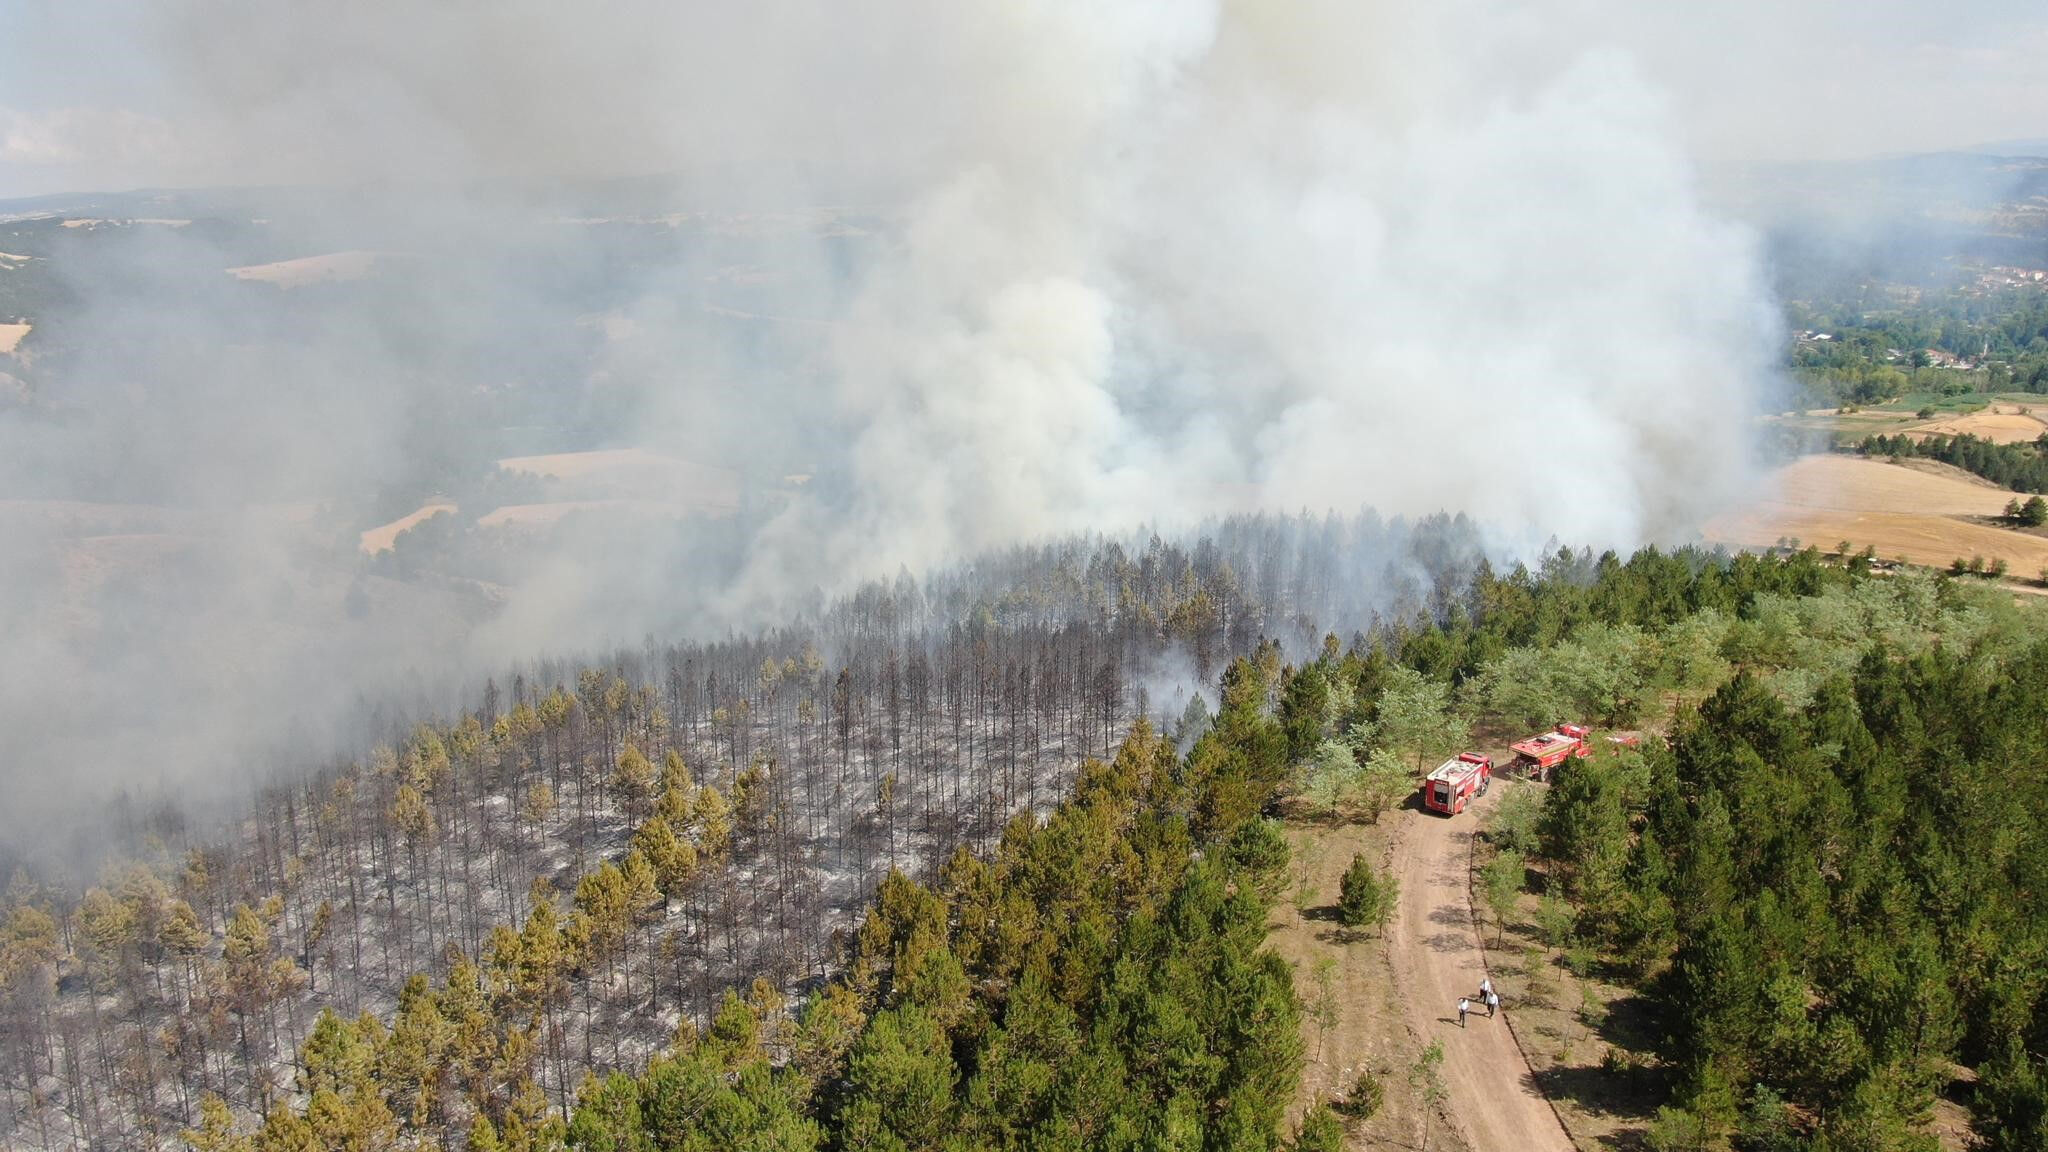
1436,957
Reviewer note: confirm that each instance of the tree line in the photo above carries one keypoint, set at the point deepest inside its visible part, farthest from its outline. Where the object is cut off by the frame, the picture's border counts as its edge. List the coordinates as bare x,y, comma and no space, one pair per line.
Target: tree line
2021,467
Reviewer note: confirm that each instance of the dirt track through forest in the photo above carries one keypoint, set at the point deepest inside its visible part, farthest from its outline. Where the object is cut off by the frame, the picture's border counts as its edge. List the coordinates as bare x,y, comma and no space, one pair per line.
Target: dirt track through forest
1434,945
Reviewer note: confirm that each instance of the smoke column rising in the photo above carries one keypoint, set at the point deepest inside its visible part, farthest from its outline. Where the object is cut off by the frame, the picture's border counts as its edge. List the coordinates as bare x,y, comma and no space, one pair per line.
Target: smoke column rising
1148,255
1144,263
1211,257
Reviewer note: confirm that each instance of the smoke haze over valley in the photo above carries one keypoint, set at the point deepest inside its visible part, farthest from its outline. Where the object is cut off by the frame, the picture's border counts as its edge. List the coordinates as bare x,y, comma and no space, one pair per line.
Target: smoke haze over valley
836,295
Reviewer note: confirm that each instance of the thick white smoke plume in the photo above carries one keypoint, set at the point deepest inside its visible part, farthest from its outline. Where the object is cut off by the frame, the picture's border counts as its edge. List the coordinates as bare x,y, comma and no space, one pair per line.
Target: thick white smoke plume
1195,256
1223,255
1078,266
1157,258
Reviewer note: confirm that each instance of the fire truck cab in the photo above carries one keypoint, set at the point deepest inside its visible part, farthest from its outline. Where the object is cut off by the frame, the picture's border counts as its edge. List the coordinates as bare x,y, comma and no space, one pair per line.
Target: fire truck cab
1456,782
1538,755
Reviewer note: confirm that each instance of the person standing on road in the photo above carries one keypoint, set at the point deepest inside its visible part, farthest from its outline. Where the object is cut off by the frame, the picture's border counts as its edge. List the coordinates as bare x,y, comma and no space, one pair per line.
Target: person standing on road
1492,1002
1485,988
1464,1006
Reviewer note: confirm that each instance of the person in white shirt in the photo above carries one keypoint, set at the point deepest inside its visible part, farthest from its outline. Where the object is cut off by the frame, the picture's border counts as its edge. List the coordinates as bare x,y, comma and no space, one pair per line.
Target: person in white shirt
1464,1006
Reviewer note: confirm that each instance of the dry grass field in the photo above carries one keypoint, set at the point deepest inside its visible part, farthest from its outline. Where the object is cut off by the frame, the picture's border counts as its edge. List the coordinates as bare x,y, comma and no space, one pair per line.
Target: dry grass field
383,536
619,481
2007,418
11,335
328,268
1356,1019
2000,424
1927,514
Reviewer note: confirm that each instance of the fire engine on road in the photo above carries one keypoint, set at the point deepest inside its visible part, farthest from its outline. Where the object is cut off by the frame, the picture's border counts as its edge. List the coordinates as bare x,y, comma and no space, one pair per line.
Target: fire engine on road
1538,755
1456,782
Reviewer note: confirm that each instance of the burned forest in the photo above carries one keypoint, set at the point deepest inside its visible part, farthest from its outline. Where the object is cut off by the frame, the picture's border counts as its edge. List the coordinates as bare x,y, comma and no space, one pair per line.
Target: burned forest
588,857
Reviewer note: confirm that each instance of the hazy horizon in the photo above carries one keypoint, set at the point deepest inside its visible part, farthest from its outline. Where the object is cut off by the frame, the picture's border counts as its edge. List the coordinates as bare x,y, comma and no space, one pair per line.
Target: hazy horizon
118,94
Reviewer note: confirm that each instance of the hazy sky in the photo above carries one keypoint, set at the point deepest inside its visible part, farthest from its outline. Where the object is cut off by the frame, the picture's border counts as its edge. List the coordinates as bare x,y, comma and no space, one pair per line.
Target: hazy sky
111,94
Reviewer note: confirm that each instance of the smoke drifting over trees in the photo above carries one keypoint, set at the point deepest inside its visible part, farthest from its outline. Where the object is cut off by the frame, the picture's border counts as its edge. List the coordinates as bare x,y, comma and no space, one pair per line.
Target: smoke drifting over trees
1078,271
652,829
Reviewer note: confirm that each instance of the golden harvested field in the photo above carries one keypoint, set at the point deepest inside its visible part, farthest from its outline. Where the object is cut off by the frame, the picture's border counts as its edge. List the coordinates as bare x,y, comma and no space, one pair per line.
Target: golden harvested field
11,334
385,535
1918,514
331,267
2000,424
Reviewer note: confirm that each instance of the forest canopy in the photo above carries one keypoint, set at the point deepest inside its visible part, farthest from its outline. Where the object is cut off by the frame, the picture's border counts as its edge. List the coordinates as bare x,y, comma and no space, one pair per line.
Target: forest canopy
1062,912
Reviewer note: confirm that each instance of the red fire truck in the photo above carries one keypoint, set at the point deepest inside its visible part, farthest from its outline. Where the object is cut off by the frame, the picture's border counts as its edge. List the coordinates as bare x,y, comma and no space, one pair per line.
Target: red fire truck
1456,781
1537,755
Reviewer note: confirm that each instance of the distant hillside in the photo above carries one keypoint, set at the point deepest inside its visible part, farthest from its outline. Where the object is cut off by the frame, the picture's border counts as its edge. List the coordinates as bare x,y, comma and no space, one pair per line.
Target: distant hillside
1920,220
2031,148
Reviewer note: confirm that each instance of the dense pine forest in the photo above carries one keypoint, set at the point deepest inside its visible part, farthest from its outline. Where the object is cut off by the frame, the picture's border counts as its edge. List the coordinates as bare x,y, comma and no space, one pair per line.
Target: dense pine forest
1832,897
1824,881
926,874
